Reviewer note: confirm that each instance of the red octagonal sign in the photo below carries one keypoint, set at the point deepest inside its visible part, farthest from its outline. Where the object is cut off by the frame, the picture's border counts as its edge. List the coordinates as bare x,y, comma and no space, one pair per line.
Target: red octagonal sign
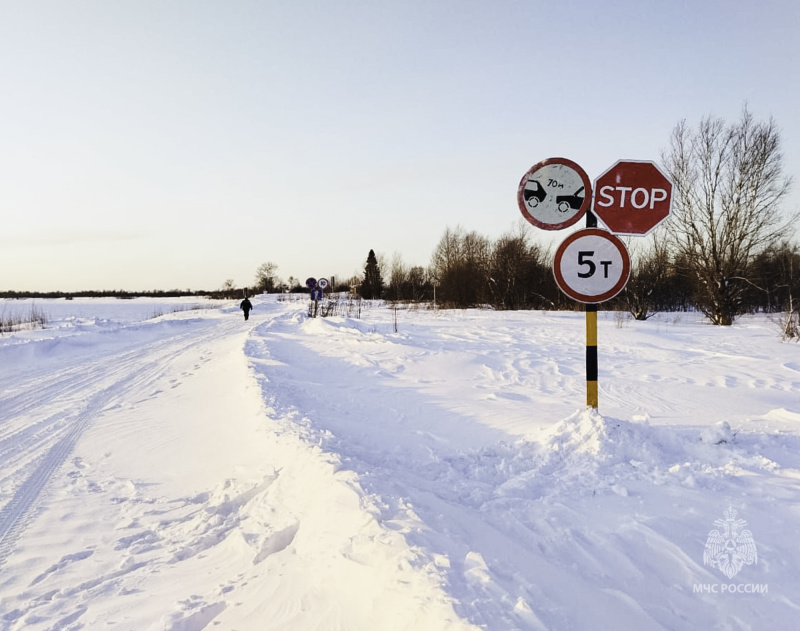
632,197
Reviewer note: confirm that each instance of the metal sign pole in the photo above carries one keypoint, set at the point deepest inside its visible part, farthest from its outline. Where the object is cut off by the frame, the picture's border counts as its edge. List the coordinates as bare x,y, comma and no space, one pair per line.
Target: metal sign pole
591,338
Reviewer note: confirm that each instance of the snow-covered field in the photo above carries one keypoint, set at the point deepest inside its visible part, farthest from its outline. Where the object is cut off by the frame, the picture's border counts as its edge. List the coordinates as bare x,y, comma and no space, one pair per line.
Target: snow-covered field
194,471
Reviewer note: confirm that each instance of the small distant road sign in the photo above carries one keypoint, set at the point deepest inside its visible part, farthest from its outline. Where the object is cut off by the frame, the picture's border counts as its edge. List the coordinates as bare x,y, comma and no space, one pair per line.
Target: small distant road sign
591,266
632,197
554,194
322,283
311,282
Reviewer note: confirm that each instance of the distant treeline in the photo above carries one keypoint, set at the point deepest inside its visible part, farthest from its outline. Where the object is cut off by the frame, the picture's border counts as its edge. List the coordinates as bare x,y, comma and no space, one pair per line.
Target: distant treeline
111,293
514,272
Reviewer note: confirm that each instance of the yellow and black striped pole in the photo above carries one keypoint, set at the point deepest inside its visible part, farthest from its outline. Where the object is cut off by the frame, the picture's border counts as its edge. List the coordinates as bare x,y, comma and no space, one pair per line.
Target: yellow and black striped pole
591,337
591,355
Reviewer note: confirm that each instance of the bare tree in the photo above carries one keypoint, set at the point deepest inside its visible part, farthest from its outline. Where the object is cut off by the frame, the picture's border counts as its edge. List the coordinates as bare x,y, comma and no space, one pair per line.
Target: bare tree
399,275
728,186
229,288
460,264
650,272
417,283
291,284
407,283
787,260
778,273
518,272
266,280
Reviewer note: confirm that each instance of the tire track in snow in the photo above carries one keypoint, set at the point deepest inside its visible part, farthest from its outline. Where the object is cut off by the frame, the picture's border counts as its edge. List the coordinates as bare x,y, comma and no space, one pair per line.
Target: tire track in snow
51,386
114,375
15,515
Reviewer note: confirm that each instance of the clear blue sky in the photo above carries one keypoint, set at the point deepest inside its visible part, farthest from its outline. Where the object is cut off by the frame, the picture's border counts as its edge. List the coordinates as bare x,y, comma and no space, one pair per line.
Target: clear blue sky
159,144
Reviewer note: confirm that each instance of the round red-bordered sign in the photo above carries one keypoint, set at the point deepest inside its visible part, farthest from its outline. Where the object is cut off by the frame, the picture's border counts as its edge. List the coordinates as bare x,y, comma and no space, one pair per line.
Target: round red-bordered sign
591,266
554,194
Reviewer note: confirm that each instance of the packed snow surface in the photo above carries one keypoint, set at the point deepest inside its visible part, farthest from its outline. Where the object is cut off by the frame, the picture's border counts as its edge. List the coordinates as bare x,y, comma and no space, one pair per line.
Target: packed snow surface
165,465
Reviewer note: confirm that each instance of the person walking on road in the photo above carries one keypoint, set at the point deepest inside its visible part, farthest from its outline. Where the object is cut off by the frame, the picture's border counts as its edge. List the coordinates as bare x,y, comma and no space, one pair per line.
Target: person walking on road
246,306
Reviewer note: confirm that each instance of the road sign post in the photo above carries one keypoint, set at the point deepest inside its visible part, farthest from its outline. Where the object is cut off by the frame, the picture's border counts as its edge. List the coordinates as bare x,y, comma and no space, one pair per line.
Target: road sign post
592,366
591,266
592,389
315,294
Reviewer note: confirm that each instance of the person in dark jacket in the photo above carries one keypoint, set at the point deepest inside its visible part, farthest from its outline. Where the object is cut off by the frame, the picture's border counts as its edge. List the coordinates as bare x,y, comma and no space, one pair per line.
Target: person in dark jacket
246,306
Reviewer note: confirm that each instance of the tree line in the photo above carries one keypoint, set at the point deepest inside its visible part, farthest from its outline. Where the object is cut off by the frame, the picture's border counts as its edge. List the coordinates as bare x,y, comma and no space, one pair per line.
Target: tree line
122,294
514,272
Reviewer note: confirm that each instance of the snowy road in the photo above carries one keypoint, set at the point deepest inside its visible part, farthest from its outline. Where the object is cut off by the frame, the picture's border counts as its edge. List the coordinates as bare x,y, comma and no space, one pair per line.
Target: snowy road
144,487
52,405
195,471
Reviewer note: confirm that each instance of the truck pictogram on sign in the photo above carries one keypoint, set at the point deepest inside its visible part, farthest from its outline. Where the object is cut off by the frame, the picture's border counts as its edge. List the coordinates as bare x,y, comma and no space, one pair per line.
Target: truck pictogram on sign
554,194
570,202
533,193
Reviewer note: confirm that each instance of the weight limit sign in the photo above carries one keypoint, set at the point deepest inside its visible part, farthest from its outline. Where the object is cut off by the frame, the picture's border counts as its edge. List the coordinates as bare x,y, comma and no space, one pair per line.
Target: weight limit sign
591,266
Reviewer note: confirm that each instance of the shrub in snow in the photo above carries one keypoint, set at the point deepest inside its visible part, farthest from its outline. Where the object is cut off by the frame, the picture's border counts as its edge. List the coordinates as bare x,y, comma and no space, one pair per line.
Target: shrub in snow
717,434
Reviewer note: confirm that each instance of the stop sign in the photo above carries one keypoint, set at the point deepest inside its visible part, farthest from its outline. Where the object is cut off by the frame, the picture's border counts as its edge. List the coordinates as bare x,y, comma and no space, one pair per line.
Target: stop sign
632,197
